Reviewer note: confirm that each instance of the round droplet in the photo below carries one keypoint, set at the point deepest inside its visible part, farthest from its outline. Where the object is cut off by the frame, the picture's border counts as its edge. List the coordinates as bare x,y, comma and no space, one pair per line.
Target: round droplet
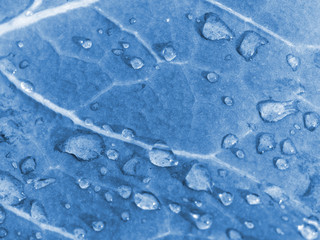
136,63
97,188
162,157
94,106
227,101
27,165
23,64
204,222
229,141
169,53
189,16
113,154
124,191
132,20
249,224
175,208
226,198
127,133
100,31
27,86
253,199
240,154
98,226
308,232
108,196
281,164
20,44
83,183
234,234
125,45
79,234
212,77
67,206
311,121
146,201
38,235
103,171
3,232
125,216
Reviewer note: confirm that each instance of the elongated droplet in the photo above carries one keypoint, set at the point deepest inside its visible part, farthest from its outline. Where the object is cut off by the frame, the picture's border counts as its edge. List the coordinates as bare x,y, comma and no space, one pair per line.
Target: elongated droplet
215,29
249,224
274,111
293,62
253,199
41,183
276,193
27,165
146,201
27,86
250,41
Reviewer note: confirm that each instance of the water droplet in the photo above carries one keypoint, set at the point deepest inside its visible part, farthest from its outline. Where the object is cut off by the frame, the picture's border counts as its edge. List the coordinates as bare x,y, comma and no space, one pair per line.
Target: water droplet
296,126
253,199
198,178
204,222
79,234
311,121
146,201
239,153
198,203
281,164
249,224
2,215
85,43
132,20
168,20
229,141
67,206
97,226
162,156
189,16
27,86
88,122
117,52
107,128
27,165
175,208
234,234
308,232
41,183
11,189
127,133
37,212
124,191
97,188
125,45
103,171
146,180
250,41
20,44
212,77
108,196
100,31
3,232
85,147
169,53
228,101
273,111
125,216
279,231
83,183
226,198
276,193
287,147
293,62
28,13
94,106
23,64
265,142
113,154
136,63
215,29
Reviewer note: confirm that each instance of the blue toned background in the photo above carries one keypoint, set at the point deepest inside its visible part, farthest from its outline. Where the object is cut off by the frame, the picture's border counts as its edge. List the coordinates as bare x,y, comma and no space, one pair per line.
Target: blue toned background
168,119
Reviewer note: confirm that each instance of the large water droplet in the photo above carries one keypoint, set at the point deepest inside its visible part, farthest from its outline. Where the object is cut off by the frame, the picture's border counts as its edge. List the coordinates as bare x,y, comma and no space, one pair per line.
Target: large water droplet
226,198
146,201
37,212
273,111
204,222
281,163
83,183
311,121
11,189
136,63
27,165
174,207
162,156
113,154
293,62
250,41
276,193
97,226
124,191
84,147
288,147
198,178
253,199
229,141
265,142
169,53
27,86
308,232
215,29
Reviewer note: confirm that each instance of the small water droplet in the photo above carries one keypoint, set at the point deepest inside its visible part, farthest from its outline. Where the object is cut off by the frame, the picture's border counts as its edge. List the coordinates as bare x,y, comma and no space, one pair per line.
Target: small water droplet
212,77
23,64
175,208
204,222
125,45
293,62
281,163
146,201
169,53
79,234
125,216
249,44
311,121
279,231
226,198
83,183
27,86
97,226
265,142
288,147
100,31
234,234
285,218
253,199
189,16
146,180
249,224
27,165
215,29
97,188
67,206
88,122
83,42
168,20
113,154
308,232
28,13
94,106
198,203
162,156
229,141
239,153
124,191
132,20
127,133
117,52
20,44
228,101
198,178
108,196
107,128
103,171
136,63
38,235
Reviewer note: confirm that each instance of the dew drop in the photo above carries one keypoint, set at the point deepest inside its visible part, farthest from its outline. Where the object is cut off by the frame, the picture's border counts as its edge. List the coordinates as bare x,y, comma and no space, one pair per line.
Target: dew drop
215,29
288,147
273,111
67,206
228,101
94,106
293,62
88,122
113,154
226,198
234,234
125,216
20,44
253,199
281,163
83,183
127,133
107,128
124,191
222,173
198,178
212,77
162,156
265,142
100,31
23,64
239,153
250,41
125,45
108,196
117,52
103,171
97,226
83,42
276,193
198,203
249,224
308,232
279,231
229,141
97,188
169,53
79,234
38,235
311,121
132,20
175,208
204,222
136,63
27,165
146,201
189,16
27,86
37,212
131,166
